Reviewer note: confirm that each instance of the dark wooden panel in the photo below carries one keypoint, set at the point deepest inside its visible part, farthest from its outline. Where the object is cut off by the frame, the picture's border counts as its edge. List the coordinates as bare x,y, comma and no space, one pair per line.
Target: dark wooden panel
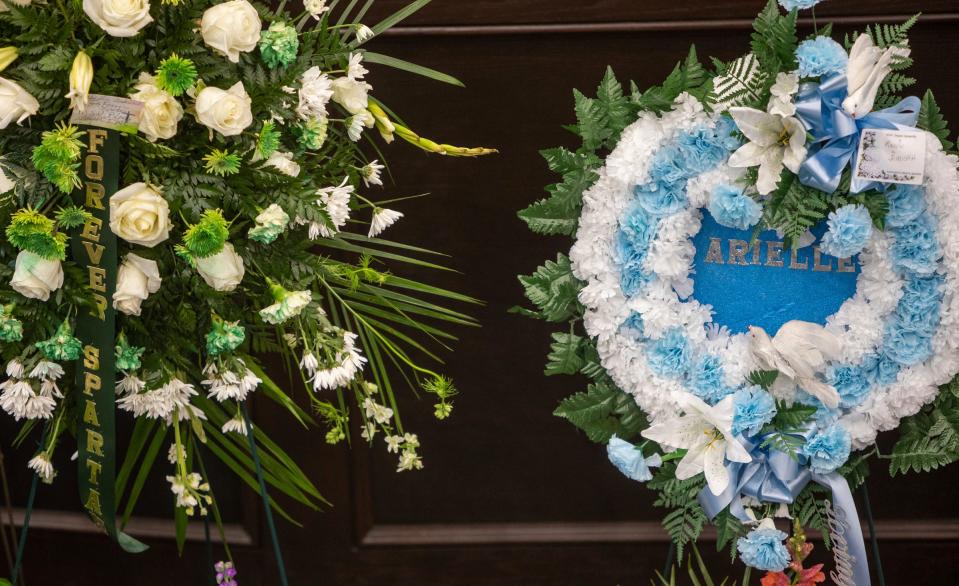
498,12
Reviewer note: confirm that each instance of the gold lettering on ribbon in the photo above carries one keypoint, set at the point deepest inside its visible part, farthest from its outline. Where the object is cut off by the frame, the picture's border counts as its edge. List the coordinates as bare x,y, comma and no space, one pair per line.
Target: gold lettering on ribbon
817,261
94,195
715,253
794,261
743,253
846,265
774,254
737,252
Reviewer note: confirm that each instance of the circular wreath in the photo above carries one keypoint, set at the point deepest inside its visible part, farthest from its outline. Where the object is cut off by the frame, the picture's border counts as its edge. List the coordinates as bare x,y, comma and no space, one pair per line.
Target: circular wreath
742,427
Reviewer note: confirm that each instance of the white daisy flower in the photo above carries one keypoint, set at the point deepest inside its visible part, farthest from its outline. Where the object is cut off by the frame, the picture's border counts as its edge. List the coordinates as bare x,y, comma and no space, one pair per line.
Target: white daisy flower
378,413
355,69
43,467
371,173
364,33
382,219
46,369
393,443
235,425
336,202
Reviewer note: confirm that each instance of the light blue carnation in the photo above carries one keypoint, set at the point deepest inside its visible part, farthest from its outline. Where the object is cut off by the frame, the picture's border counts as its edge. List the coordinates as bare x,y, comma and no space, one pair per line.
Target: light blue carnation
752,409
764,549
632,279
823,415
922,293
629,459
701,149
851,383
727,133
730,208
668,167
706,379
904,346
638,225
921,321
880,369
663,200
670,356
849,230
906,202
821,56
916,248
798,4
634,322
828,449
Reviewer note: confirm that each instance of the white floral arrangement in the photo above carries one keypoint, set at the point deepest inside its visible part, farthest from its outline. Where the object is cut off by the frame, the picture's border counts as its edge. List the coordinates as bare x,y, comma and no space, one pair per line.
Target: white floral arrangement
243,224
744,427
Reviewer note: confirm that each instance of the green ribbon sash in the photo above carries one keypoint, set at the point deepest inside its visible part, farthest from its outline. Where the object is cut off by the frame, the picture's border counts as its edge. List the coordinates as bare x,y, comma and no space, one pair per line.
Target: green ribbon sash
94,250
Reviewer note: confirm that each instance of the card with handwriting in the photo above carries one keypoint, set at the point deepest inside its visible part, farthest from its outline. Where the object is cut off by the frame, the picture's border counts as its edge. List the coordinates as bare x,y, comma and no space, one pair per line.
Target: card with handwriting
891,156
121,114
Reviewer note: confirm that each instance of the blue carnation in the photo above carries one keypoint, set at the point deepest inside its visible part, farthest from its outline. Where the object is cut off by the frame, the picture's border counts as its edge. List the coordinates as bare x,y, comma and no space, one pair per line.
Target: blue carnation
634,322
849,230
764,549
630,258
701,149
632,279
906,202
667,167
922,293
727,133
663,199
828,449
920,321
630,461
732,209
798,4
670,356
851,383
752,409
916,248
706,379
821,56
823,415
880,369
638,225
906,347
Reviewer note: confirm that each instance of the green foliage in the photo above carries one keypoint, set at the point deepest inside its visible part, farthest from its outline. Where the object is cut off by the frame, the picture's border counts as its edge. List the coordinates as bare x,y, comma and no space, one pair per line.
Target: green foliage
763,378
887,35
783,433
741,83
30,230
856,469
553,290
686,518
699,575
929,439
728,530
176,75
566,354
57,157
931,119
687,76
603,411
559,213
774,40
268,141
222,162
810,510
794,208
72,216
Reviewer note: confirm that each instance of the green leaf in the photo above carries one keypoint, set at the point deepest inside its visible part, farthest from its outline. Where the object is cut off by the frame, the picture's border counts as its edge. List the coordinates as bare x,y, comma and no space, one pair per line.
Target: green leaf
728,530
763,378
931,119
687,76
553,290
590,121
616,106
930,439
603,411
550,217
566,354
774,40
402,65
743,83
399,16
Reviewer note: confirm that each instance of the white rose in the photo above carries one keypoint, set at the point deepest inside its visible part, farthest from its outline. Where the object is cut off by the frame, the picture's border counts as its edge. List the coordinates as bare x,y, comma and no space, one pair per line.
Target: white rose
273,215
351,94
4,8
119,18
35,277
284,163
232,27
225,111
137,278
140,215
223,271
161,111
15,103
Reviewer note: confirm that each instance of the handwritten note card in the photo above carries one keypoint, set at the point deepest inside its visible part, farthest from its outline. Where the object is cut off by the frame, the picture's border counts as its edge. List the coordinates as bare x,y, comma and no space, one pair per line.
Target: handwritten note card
110,112
891,156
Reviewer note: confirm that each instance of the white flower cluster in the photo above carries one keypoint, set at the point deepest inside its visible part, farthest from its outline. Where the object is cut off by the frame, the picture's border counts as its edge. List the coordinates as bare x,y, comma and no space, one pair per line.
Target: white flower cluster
33,395
665,303
160,403
340,370
225,384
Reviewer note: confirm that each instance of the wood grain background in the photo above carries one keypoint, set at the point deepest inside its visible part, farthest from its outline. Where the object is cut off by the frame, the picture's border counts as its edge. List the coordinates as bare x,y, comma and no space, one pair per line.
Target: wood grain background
510,495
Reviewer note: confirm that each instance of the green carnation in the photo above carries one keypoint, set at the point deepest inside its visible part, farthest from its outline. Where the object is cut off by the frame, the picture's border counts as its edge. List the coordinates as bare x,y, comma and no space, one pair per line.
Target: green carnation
207,237
32,231
288,304
63,346
222,163
127,356
278,45
176,75
268,140
11,329
58,155
311,134
270,223
224,337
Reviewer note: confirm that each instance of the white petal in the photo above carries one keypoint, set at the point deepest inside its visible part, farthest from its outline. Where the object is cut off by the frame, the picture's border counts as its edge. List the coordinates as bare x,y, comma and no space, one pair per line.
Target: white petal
692,463
714,465
769,171
758,126
748,155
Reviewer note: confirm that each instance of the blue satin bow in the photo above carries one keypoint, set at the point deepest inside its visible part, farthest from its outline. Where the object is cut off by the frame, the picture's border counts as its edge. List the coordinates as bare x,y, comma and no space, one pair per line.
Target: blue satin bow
774,477
836,133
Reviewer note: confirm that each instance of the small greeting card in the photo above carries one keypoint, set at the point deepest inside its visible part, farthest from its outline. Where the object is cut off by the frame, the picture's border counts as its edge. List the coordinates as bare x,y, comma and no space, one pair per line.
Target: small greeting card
891,156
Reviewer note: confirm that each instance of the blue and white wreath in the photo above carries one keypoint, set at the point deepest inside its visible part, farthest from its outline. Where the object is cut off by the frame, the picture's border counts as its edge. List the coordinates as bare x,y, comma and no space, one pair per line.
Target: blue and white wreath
809,139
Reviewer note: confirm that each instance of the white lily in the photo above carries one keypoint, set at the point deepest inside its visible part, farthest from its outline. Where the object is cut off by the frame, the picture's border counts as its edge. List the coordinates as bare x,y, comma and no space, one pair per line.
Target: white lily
774,142
706,434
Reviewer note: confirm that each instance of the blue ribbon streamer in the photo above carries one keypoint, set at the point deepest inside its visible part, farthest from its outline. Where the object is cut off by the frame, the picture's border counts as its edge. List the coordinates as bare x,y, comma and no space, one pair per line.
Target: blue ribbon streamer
836,133
774,477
